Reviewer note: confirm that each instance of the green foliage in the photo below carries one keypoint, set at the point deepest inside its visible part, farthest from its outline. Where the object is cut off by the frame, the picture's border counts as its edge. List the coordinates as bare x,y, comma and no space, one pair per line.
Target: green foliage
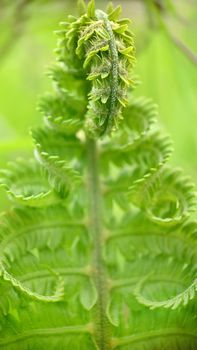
103,46
99,251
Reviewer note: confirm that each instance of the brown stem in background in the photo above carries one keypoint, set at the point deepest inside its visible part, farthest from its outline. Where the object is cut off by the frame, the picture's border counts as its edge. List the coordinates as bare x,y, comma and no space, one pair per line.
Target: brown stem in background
158,11
19,19
184,48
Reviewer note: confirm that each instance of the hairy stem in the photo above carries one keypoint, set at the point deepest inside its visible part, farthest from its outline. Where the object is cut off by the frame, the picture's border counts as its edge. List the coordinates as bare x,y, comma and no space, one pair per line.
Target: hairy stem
95,213
114,70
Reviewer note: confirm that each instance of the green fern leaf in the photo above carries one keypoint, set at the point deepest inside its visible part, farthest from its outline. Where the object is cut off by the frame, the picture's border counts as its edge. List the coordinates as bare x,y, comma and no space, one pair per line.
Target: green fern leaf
182,298
50,151
170,205
27,184
99,251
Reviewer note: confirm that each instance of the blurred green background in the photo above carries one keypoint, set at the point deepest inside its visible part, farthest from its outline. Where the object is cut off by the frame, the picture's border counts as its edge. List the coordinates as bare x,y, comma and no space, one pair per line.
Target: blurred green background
165,35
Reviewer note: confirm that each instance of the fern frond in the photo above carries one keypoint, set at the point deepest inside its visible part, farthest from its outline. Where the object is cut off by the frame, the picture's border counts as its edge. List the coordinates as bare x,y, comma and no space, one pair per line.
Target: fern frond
173,303
168,197
28,237
164,257
167,336
113,264
123,165
26,183
139,118
35,233
163,328
58,114
7,277
54,153
81,7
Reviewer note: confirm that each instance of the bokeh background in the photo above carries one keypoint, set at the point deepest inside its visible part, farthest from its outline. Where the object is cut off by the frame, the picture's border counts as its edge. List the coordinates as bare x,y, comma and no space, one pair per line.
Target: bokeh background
166,50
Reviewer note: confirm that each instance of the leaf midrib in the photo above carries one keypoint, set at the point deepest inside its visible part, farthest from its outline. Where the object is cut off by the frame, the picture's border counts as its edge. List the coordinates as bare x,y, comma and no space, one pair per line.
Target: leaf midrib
173,332
32,228
46,332
80,329
55,272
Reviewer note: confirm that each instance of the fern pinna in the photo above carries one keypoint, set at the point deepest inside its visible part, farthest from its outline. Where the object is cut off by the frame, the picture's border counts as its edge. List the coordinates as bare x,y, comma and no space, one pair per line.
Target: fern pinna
98,251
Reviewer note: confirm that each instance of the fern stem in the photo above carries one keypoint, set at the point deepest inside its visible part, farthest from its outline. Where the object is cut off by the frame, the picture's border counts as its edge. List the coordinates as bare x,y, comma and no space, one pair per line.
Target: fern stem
101,322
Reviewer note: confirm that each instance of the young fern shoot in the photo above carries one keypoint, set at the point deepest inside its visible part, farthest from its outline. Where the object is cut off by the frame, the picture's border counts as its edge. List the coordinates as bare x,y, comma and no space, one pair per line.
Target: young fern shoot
99,250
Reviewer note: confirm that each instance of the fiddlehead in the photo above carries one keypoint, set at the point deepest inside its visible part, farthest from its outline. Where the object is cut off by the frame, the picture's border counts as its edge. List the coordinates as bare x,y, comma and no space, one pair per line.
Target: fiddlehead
104,48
